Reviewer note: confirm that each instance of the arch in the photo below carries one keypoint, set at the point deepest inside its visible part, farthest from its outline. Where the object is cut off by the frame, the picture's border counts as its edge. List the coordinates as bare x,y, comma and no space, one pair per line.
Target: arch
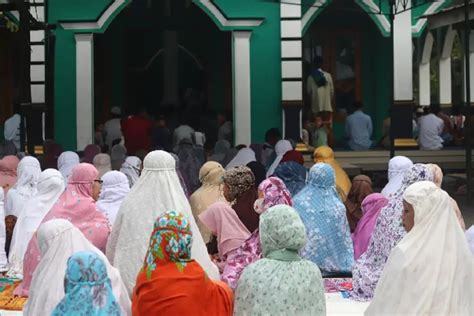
380,20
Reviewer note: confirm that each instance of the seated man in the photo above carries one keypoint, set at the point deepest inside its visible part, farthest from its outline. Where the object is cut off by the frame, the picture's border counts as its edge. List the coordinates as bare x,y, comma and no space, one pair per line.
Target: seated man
430,129
359,129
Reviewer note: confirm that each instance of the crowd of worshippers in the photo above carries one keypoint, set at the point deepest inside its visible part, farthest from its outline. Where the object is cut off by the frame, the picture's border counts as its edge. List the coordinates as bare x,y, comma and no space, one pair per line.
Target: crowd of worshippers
95,235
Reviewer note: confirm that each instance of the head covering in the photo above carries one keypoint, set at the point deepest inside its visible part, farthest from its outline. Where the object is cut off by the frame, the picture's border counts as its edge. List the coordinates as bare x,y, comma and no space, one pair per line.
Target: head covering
170,282
293,155
387,233
343,183
90,152
66,162
258,171
87,288
28,172
361,187
242,194
329,238
435,254
243,157
58,239
118,153
50,187
8,166
77,206
438,180
132,168
115,188
189,164
221,149
293,174
102,163
51,154
210,175
282,283
371,207
116,110
157,190
281,148
274,193
221,219
397,166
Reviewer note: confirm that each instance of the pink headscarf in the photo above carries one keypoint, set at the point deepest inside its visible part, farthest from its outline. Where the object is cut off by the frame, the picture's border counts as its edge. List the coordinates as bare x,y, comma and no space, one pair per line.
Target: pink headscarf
223,222
8,166
371,207
77,206
274,193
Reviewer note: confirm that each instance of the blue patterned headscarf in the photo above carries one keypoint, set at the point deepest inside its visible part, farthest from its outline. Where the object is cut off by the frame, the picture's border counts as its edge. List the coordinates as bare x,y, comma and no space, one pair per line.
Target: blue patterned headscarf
329,239
293,174
88,290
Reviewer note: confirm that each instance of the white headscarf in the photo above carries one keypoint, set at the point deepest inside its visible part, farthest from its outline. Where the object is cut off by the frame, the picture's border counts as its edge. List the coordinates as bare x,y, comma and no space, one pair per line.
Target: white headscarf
50,186
396,171
157,191
281,148
58,239
11,129
103,163
131,168
243,157
114,190
3,234
66,162
435,254
28,172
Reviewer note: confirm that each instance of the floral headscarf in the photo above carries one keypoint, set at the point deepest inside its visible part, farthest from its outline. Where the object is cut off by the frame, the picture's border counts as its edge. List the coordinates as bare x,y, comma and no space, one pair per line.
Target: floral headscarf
239,180
274,192
170,241
87,288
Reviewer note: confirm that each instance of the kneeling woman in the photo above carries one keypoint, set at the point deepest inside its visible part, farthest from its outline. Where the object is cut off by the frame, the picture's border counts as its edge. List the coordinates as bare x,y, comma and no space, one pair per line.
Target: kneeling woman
430,271
170,282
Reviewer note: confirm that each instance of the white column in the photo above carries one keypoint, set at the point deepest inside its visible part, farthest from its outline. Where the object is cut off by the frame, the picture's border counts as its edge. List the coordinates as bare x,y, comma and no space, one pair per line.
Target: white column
84,90
424,71
242,96
471,59
445,89
403,57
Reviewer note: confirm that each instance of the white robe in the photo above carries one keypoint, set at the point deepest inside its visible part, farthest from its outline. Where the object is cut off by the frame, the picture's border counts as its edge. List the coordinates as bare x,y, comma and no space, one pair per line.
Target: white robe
114,190
397,167
66,162
243,157
131,168
281,148
157,191
50,187
431,270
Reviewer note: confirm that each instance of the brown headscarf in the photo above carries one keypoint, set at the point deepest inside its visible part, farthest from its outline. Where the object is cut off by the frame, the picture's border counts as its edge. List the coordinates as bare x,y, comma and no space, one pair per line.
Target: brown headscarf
361,187
242,195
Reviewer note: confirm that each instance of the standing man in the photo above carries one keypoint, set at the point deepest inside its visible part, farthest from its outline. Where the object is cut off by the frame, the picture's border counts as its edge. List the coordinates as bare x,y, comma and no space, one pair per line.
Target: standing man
431,127
320,88
112,128
359,129
136,130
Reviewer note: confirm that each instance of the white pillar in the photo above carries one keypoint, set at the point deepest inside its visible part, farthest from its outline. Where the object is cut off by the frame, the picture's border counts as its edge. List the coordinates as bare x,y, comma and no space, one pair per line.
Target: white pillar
424,71
242,96
84,90
403,57
445,79
471,58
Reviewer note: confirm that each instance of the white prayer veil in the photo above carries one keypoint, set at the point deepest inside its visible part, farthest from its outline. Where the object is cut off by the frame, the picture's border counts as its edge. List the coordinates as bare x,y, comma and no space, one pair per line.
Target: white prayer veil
66,162
112,193
131,168
397,166
281,148
243,157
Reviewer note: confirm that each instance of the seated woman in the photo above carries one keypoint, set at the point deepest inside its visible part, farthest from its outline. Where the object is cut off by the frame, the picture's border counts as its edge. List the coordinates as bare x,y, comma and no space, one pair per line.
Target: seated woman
271,192
224,224
371,207
293,174
170,282
329,238
343,183
87,288
281,283
115,188
58,240
431,270
361,187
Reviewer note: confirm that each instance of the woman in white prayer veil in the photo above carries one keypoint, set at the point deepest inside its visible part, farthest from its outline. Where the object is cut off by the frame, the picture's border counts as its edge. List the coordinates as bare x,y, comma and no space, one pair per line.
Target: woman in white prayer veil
28,172
66,162
132,168
243,157
157,191
281,148
397,166
50,186
115,188
58,240
431,270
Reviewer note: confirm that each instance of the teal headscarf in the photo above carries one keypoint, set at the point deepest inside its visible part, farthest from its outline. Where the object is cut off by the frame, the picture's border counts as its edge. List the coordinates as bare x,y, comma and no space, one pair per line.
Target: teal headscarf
88,291
281,283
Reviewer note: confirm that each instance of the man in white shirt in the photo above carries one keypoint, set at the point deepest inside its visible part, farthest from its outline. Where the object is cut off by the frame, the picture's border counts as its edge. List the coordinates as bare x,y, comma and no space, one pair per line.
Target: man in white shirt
112,128
430,129
359,129
320,88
